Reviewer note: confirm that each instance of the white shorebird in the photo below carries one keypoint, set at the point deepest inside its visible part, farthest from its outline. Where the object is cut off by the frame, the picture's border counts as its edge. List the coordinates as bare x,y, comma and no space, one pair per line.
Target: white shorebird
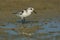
25,13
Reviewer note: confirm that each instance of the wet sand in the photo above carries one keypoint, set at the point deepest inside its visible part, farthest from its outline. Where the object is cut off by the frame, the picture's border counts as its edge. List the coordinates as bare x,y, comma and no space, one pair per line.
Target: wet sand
44,9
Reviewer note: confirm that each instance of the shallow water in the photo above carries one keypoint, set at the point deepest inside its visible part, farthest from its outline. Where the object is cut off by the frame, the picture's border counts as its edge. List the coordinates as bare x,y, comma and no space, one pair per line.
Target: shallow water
44,29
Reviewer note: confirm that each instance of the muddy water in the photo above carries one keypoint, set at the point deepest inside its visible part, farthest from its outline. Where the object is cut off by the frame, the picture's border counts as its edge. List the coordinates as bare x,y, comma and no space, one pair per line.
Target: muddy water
43,26
44,29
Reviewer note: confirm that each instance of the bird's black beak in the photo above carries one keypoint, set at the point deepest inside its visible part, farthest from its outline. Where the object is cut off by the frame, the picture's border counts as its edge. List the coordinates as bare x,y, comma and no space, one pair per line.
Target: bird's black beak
34,12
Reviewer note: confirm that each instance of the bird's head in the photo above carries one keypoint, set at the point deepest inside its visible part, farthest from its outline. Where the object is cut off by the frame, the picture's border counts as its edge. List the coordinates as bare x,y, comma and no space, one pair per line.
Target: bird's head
30,9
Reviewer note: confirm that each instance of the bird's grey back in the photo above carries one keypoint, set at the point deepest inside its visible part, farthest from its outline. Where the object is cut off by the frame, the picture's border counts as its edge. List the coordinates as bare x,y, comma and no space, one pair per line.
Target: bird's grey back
19,12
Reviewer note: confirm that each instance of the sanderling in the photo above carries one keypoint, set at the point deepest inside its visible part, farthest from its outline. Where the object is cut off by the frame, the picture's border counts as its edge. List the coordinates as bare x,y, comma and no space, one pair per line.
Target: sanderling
25,13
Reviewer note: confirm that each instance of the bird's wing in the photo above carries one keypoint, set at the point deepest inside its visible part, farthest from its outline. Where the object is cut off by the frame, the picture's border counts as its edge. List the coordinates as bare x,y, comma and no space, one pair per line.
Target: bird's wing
21,12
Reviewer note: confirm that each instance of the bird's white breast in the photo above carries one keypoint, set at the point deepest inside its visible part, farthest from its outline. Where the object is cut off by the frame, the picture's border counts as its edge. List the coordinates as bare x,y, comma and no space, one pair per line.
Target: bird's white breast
25,14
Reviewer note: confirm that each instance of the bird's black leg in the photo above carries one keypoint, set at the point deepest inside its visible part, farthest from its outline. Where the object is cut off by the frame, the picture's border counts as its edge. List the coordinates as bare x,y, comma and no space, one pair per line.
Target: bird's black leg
23,20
